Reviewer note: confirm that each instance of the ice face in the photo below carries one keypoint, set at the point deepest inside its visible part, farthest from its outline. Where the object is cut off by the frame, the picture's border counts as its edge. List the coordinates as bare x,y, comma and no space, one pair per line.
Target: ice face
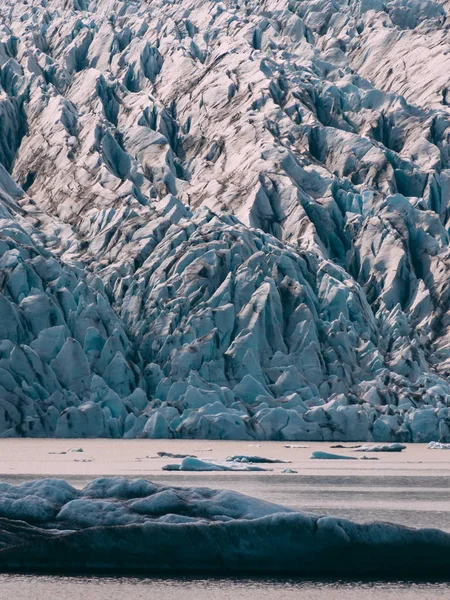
224,220
121,525
331,456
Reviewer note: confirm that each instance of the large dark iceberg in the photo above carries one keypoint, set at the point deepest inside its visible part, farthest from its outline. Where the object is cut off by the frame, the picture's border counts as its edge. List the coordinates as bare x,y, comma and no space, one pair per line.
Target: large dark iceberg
123,526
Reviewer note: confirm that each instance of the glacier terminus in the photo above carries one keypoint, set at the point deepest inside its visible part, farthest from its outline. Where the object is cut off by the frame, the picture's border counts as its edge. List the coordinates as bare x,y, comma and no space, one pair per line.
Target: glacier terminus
225,219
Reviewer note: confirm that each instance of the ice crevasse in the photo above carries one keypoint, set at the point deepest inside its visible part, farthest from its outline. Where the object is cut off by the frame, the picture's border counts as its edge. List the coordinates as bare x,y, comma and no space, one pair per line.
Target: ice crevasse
224,220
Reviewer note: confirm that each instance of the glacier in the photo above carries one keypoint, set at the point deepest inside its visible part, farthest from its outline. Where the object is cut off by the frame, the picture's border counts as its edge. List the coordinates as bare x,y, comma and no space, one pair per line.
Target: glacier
225,220
119,525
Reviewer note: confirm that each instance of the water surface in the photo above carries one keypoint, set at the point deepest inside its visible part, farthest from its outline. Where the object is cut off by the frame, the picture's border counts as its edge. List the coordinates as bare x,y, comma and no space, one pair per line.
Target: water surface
15,587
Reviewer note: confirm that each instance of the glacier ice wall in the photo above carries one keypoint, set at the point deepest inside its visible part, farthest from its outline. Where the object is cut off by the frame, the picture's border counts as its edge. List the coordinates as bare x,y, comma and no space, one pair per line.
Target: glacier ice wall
225,219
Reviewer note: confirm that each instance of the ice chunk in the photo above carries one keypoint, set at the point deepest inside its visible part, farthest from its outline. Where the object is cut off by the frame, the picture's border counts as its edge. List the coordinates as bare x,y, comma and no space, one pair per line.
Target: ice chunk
253,459
331,456
195,464
438,446
381,448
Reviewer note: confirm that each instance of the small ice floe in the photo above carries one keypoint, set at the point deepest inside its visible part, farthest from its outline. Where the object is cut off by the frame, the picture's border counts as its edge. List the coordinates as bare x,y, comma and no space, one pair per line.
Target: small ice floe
345,447
68,450
195,464
438,446
382,448
331,456
294,446
254,446
289,471
242,458
171,455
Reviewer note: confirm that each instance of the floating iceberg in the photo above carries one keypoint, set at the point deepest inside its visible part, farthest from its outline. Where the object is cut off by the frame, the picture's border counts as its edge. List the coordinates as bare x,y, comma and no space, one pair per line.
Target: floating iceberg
382,448
172,455
438,446
195,464
244,458
118,525
331,456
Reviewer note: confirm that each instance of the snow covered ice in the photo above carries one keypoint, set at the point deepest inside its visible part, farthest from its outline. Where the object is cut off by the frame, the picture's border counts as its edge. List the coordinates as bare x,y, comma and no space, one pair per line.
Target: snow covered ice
120,525
225,220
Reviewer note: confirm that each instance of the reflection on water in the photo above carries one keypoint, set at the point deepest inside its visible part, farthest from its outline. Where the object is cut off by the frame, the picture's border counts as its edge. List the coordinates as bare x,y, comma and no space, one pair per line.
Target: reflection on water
27,587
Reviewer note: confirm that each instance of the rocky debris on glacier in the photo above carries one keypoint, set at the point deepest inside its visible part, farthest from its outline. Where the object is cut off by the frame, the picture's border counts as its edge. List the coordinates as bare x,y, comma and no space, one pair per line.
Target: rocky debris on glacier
119,525
225,220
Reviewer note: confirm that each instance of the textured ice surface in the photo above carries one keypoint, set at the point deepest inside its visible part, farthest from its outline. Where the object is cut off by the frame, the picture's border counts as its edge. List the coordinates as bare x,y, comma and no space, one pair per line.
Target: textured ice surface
331,456
382,448
438,446
225,220
118,525
196,464
244,458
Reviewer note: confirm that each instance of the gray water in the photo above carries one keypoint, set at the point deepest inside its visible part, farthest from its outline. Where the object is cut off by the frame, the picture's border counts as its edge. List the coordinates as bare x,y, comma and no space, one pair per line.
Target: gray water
412,489
18,587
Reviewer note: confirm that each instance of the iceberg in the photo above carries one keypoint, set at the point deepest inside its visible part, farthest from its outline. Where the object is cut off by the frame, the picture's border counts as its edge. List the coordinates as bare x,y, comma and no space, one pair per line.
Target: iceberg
319,454
244,458
382,448
438,446
117,525
195,464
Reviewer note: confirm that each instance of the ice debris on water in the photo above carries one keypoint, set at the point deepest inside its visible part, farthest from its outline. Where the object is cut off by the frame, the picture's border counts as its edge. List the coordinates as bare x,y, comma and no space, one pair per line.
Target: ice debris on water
295,446
331,456
68,451
195,464
381,448
227,220
172,455
438,446
253,459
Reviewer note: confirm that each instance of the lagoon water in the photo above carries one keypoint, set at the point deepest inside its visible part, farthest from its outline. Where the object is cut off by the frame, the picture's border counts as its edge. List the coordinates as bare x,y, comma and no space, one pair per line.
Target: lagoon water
19,587
412,488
